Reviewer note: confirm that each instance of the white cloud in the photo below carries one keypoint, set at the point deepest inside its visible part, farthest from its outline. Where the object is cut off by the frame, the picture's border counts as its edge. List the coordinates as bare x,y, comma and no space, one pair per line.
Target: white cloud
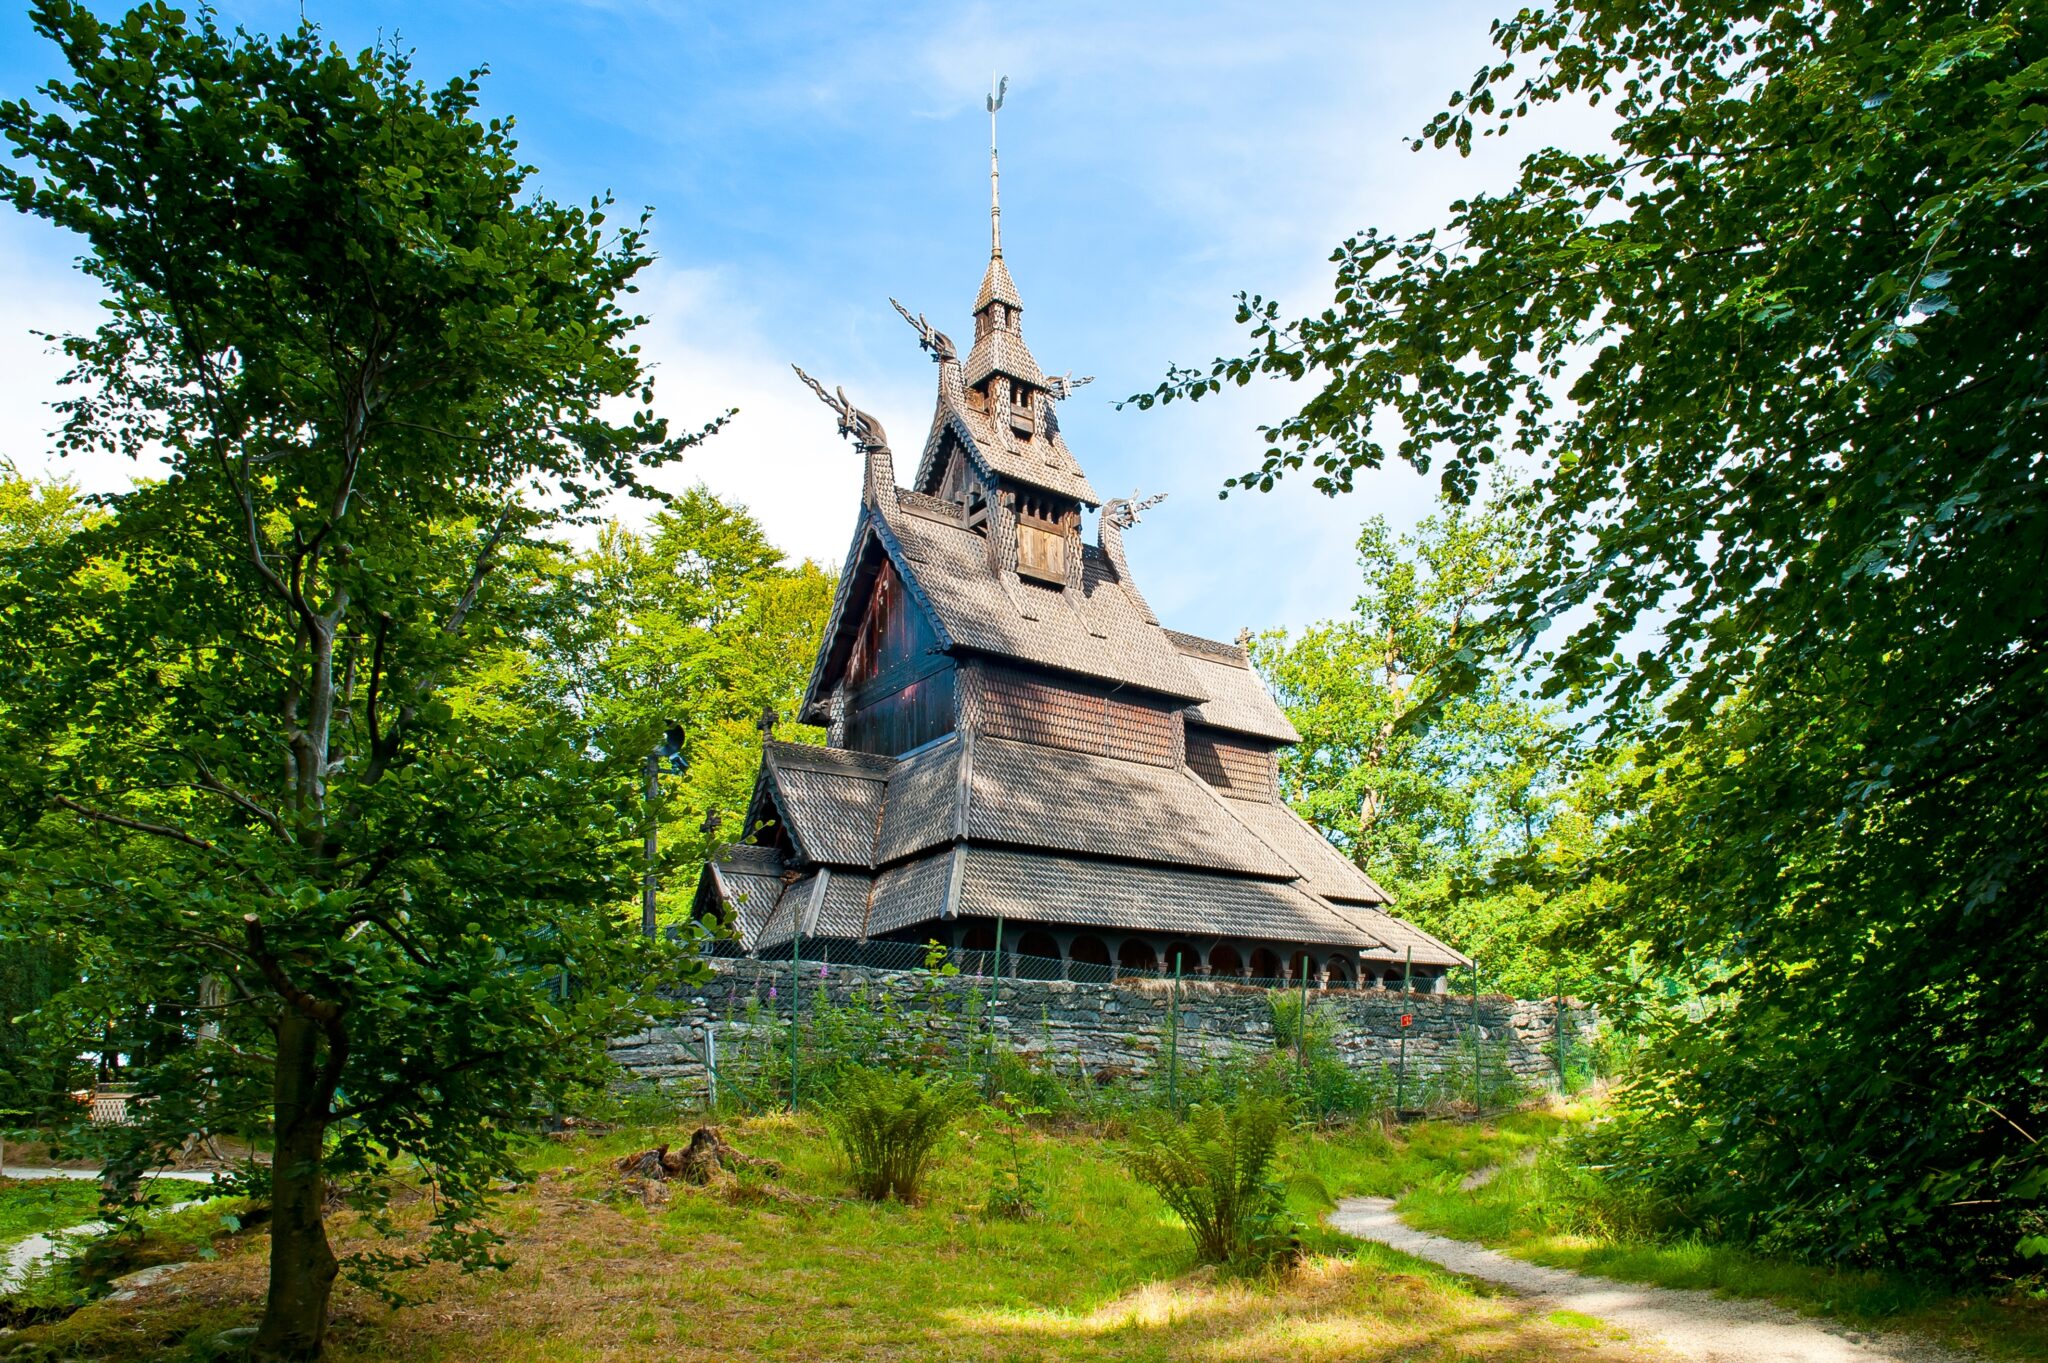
44,293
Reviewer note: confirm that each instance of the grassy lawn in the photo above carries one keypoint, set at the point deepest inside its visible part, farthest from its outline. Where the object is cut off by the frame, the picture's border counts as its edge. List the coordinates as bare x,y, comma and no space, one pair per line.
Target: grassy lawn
787,1266
790,1268
1532,1210
28,1206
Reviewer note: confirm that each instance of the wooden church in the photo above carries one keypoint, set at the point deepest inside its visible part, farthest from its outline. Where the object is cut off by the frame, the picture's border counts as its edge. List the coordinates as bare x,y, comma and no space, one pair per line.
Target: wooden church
1013,737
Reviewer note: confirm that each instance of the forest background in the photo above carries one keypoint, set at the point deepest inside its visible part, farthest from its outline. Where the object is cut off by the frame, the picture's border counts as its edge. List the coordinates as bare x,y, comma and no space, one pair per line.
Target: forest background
1776,364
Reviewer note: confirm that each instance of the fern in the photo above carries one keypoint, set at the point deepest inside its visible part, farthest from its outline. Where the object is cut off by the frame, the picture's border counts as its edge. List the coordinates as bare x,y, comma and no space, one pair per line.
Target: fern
889,1124
1214,1170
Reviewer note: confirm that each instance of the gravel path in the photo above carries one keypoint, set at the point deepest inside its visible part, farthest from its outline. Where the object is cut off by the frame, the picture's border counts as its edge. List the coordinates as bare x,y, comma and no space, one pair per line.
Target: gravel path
1690,1325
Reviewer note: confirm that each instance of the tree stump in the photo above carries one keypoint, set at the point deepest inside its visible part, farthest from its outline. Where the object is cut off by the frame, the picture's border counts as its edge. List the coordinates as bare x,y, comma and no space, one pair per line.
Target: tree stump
707,1154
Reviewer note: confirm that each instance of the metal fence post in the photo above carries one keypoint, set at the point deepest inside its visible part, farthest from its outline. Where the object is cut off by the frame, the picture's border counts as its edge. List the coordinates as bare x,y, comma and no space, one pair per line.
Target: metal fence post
1173,1042
796,1008
1301,1023
711,1060
1401,1064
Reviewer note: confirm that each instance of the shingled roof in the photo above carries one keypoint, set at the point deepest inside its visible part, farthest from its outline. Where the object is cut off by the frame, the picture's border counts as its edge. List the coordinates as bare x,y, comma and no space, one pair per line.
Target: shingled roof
1235,698
1048,752
1085,840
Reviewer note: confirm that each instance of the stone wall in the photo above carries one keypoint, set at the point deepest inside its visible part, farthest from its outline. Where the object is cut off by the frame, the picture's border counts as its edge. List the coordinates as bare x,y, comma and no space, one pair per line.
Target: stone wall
1117,1029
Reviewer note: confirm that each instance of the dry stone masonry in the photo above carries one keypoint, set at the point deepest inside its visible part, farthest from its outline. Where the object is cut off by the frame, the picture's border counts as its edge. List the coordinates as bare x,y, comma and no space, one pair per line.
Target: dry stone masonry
1116,1029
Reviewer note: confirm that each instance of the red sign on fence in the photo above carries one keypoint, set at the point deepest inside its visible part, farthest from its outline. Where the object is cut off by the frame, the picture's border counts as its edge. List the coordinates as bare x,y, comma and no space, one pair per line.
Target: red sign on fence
1407,1018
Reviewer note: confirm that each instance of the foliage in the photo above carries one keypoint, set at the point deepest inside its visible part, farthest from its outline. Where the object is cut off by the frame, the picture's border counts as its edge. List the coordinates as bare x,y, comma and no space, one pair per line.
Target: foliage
1474,807
1774,352
1551,1202
330,864
1215,1169
1019,1190
1298,1025
1100,1276
888,1125
28,1206
35,514
693,627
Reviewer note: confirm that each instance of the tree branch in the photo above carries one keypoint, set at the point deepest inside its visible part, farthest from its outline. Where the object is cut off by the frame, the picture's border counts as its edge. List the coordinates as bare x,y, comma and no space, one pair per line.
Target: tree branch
139,825
326,1012
213,783
483,567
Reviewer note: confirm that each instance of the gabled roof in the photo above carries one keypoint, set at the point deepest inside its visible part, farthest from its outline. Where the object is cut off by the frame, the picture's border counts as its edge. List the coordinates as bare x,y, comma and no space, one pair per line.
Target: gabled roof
1096,632
1328,872
1399,936
1043,461
831,809
1099,806
983,826
1038,887
1237,699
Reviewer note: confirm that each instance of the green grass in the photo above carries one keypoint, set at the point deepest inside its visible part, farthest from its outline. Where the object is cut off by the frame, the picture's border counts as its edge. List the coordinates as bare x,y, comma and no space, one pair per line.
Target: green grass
31,1206
790,1266
1548,1212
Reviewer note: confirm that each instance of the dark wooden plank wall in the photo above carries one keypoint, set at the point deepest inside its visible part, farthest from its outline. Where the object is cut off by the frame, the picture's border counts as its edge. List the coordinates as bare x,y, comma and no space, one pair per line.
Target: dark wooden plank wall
1073,716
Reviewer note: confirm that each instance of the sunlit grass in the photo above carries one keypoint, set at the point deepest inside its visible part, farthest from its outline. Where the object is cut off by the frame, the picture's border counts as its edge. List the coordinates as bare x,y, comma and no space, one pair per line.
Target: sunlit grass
1539,1210
31,1206
792,1267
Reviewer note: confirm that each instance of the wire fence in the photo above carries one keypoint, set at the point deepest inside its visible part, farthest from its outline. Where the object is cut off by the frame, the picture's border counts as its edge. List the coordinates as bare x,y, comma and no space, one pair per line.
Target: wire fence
806,1014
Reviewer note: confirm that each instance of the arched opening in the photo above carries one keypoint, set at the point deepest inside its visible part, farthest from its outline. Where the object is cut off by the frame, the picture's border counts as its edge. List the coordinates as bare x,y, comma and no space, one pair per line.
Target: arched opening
978,949
1136,954
1224,960
1087,959
1038,956
1340,973
1190,959
1393,979
1300,964
1265,965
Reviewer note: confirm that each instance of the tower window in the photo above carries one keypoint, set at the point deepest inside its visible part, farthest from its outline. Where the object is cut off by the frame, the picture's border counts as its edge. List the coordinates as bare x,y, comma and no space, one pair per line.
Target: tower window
1041,550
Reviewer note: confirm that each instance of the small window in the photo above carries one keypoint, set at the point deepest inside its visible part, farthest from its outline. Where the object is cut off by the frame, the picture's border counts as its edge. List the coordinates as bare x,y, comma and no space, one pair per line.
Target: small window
1042,552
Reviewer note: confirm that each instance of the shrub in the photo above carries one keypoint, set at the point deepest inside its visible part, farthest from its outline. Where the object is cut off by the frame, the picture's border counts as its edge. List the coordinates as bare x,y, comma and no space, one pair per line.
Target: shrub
1214,1169
888,1124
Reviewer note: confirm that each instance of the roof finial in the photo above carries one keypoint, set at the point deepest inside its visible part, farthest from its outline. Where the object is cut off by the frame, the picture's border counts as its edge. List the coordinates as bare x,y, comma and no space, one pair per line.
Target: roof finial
998,88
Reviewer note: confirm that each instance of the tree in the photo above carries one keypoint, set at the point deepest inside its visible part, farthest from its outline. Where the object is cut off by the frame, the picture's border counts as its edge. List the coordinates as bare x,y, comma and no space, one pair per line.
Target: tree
34,513
1469,804
249,762
1778,356
698,626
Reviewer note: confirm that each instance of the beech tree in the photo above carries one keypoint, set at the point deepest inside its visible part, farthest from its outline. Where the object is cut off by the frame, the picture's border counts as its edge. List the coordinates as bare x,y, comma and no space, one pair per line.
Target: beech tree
1466,797
1777,358
256,767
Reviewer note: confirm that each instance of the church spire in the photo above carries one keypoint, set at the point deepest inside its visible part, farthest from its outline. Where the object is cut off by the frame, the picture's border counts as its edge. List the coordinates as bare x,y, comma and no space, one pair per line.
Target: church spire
999,358
995,178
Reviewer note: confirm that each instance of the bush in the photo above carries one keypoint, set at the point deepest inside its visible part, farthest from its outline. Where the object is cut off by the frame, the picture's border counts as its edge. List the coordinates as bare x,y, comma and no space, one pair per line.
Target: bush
888,1124
1214,1169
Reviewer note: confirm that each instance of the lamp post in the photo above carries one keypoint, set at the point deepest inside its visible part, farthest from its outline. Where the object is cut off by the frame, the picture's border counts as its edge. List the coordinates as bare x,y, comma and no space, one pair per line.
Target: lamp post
670,751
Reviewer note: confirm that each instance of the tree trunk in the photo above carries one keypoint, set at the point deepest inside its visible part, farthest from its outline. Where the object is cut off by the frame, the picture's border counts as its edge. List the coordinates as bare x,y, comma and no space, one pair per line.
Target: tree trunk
302,1265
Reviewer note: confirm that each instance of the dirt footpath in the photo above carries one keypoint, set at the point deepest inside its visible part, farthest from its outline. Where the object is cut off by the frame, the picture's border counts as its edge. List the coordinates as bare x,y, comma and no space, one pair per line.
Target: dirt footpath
1690,1325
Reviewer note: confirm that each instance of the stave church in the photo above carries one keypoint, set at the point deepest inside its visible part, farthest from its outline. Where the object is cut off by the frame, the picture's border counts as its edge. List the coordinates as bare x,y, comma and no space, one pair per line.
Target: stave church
1015,743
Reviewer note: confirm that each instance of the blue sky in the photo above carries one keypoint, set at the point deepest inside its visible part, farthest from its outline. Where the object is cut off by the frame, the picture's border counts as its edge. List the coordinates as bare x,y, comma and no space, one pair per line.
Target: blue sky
806,163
